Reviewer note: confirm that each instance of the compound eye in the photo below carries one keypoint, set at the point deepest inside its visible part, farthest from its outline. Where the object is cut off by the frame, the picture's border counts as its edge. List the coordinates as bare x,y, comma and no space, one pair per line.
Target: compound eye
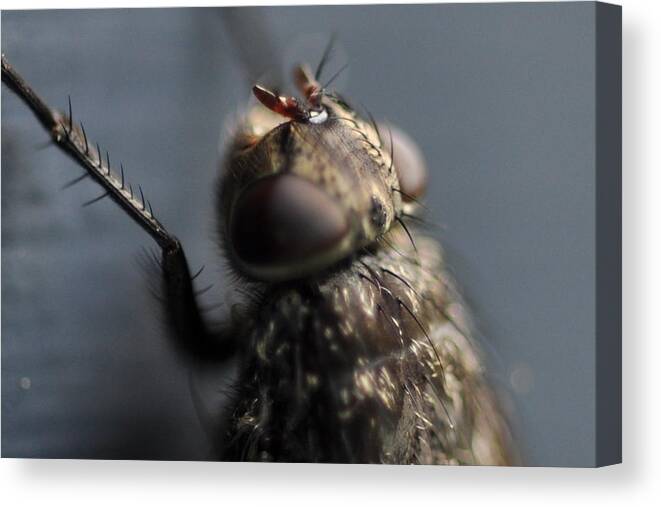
282,221
409,162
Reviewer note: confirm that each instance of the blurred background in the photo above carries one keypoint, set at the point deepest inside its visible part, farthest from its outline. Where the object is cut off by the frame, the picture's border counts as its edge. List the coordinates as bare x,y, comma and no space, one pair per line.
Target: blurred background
499,97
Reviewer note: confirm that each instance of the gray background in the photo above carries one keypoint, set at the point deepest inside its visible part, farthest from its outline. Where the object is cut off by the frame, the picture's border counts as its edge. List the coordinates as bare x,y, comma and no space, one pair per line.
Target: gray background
501,99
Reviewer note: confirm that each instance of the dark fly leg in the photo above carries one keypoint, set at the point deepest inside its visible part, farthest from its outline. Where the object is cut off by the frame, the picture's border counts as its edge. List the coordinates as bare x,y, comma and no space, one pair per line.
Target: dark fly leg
191,332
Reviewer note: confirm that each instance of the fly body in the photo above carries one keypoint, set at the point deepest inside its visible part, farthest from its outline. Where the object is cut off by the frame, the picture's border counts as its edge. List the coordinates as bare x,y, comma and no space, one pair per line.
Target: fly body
353,347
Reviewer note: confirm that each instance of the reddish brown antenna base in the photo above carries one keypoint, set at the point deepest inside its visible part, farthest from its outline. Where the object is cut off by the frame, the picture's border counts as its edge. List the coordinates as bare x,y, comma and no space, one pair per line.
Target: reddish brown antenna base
285,106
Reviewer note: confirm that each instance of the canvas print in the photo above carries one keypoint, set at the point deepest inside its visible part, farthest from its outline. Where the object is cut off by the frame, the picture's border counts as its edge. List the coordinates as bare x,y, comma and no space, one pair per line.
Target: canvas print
348,234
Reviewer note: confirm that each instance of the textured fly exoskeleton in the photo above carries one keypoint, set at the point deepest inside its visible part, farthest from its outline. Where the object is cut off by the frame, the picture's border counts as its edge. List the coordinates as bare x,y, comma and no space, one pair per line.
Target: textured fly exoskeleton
353,347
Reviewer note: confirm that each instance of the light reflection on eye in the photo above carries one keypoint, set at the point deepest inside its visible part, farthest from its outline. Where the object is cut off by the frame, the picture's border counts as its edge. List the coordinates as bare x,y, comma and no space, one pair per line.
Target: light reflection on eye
318,117
409,162
284,220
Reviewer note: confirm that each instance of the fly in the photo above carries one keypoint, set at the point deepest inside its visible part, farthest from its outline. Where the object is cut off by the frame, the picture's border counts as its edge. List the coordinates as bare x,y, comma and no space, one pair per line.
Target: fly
351,347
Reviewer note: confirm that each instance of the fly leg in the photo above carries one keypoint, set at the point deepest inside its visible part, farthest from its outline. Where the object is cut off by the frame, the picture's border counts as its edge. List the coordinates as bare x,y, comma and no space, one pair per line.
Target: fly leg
183,313
190,331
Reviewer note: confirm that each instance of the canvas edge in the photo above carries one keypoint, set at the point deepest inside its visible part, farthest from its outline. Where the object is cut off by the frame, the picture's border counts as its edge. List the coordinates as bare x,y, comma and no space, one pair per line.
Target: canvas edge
608,122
